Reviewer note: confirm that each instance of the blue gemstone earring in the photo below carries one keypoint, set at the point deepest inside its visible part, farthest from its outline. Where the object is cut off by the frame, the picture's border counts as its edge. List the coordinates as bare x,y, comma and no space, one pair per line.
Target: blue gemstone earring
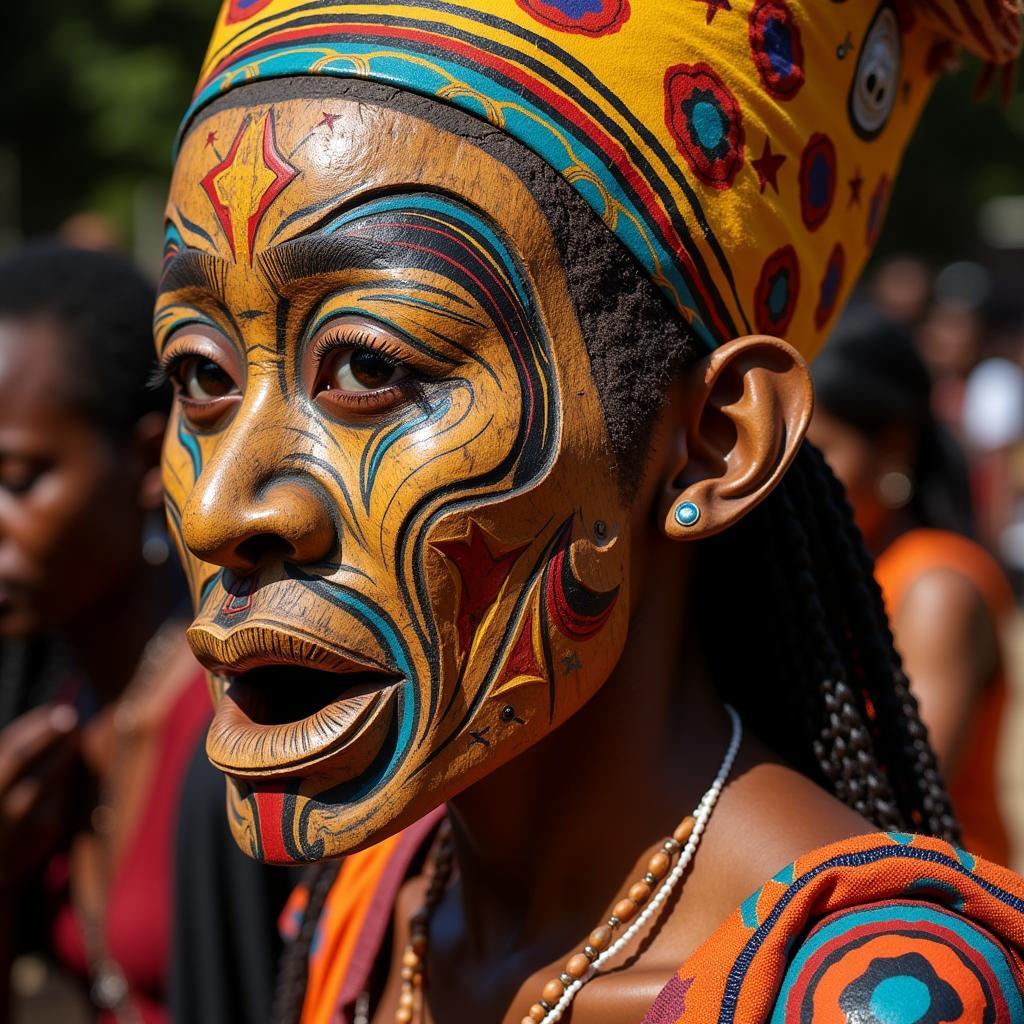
687,513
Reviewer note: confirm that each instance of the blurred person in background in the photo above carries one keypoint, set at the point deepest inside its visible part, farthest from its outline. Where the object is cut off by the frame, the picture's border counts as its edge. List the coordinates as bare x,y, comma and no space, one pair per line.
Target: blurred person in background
992,423
86,781
901,288
91,781
947,598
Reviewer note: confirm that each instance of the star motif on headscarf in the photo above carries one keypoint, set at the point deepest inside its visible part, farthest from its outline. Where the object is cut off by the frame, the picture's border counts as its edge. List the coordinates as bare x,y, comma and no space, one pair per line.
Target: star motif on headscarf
714,6
856,183
767,166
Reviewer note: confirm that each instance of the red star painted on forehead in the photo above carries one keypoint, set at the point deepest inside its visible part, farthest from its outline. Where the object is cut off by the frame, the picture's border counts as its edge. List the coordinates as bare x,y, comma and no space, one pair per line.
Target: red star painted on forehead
483,574
211,138
327,119
714,6
244,184
856,183
767,166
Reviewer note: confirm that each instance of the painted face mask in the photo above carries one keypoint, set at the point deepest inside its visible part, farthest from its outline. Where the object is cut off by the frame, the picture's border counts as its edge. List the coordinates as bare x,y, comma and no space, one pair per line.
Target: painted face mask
404,544
388,470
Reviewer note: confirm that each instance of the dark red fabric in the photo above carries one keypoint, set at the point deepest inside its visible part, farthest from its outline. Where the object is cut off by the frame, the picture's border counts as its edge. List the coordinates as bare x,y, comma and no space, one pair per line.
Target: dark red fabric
138,926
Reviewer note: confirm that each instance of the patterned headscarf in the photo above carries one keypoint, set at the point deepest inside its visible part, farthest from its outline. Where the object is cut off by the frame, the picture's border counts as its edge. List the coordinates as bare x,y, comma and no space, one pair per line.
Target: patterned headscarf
743,150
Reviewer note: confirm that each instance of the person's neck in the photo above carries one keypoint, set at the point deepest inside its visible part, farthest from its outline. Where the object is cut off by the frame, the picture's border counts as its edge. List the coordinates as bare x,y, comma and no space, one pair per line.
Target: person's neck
547,842
107,640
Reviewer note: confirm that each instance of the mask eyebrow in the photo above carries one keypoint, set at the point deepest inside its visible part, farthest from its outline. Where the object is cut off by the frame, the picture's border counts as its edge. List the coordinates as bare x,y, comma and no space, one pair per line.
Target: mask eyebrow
315,255
192,268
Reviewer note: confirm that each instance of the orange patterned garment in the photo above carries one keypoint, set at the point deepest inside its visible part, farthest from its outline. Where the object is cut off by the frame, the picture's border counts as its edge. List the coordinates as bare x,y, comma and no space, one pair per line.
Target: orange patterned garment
972,784
886,928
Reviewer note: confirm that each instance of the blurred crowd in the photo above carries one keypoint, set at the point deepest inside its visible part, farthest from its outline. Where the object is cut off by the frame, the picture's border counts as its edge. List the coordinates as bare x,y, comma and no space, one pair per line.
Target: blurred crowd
111,910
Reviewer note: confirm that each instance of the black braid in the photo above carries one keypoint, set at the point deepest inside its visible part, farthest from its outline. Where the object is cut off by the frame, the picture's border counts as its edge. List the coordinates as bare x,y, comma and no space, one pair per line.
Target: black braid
908,751
835,702
293,967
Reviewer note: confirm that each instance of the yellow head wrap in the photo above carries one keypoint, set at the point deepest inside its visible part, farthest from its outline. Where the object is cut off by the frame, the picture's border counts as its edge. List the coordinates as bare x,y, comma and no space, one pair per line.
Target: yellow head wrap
743,150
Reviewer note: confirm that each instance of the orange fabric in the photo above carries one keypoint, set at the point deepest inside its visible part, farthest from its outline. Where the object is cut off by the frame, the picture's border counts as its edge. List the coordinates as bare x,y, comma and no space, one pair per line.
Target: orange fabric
973,785
864,903
341,922
853,905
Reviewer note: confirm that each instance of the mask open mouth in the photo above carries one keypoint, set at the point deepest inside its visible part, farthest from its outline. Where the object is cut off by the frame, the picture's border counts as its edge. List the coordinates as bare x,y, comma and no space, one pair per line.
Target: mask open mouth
290,719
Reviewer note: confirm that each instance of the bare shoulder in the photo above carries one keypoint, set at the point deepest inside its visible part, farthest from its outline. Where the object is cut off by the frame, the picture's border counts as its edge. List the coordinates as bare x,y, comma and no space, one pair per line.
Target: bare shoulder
770,814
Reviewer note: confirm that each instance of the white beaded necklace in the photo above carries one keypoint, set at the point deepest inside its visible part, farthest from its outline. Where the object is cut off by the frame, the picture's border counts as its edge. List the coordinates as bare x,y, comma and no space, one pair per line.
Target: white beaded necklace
582,967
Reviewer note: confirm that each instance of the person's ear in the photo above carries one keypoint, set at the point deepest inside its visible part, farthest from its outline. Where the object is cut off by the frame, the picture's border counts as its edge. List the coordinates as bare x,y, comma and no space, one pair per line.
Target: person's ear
745,411
147,441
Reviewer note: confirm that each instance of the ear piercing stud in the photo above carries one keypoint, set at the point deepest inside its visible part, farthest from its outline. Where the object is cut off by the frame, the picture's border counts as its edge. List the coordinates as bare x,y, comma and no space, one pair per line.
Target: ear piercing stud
687,513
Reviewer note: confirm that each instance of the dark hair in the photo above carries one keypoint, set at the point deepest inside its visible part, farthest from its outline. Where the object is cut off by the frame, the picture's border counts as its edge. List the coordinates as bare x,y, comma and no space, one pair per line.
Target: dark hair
793,577
870,377
103,308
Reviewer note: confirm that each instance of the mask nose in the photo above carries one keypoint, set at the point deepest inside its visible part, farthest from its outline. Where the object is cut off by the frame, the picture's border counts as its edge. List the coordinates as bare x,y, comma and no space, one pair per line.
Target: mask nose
233,519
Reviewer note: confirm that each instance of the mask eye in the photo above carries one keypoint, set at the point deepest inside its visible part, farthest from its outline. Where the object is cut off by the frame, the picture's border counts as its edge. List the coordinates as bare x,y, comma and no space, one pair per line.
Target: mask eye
359,370
205,390
201,380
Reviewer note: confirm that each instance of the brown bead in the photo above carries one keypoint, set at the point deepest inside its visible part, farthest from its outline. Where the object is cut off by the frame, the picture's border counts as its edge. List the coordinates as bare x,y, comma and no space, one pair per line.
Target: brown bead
418,944
683,830
407,973
639,892
537,1013
407,998
658,865
553,991
601,938
527,1020
625,909
403,1015
577,965
410,958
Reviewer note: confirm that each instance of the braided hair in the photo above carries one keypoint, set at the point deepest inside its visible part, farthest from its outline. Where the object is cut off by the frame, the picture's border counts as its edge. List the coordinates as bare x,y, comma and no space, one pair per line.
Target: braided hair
834,699
793,576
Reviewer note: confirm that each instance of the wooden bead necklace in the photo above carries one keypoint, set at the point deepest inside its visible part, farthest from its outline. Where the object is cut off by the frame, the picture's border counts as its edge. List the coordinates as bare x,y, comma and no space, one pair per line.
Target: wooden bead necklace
642,901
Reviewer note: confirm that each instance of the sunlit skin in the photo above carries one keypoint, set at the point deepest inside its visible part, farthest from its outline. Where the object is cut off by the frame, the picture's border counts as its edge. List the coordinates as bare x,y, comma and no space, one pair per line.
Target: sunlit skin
291,366
340,347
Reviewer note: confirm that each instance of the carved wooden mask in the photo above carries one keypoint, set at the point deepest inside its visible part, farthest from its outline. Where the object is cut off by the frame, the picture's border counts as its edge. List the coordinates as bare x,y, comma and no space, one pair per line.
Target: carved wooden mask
386,470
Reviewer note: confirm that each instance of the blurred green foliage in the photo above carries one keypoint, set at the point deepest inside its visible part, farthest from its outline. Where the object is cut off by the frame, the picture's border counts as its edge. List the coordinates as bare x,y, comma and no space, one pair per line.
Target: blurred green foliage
96,88
965,151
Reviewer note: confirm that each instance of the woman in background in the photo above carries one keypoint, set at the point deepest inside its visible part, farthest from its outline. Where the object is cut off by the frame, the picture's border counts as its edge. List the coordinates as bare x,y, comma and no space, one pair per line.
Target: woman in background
946,597
87,783
91,783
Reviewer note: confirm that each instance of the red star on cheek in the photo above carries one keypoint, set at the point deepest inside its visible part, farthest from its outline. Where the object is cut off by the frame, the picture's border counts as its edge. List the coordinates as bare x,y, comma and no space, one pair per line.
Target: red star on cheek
767,166
211,138
327,119
714,6
482,574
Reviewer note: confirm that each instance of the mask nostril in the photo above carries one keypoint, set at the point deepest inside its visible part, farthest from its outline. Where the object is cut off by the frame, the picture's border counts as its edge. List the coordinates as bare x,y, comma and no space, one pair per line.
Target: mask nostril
264,547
